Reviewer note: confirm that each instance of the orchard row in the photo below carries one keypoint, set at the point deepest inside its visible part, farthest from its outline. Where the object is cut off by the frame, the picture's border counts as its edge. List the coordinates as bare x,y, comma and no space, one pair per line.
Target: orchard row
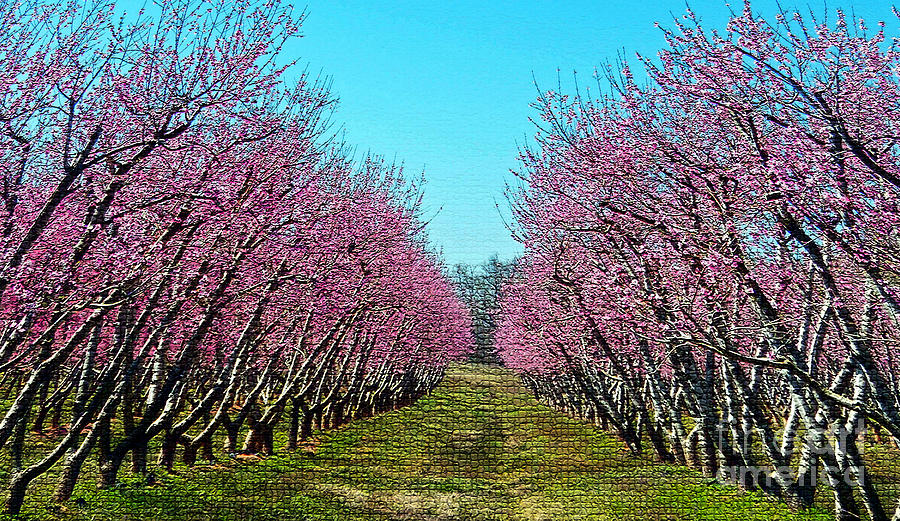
712,264
188,256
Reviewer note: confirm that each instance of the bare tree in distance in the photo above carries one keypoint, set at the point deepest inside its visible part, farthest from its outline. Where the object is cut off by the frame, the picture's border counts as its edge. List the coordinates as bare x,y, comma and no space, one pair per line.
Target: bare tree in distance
479,286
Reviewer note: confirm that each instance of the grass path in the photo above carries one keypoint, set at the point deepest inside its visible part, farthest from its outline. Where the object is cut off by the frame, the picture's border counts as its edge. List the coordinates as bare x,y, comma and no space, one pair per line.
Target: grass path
478,448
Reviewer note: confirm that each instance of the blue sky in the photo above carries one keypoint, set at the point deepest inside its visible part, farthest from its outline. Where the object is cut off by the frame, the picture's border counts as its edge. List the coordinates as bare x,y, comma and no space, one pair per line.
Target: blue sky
446,86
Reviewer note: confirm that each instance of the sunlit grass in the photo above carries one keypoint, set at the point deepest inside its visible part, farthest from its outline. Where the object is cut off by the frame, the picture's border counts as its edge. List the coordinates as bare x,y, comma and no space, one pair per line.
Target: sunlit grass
478,448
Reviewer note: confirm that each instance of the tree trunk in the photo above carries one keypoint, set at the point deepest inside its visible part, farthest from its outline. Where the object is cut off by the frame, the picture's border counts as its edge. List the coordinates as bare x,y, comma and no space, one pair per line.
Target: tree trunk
306,427
167,450
72,467
294,426
139,458
108,462
18,485
231,437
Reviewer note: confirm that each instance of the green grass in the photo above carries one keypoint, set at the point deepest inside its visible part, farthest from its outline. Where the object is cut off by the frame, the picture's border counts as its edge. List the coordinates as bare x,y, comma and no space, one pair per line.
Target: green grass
478,448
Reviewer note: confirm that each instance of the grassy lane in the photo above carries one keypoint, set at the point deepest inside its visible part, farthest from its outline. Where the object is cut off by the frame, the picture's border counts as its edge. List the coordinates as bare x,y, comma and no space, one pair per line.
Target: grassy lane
478,448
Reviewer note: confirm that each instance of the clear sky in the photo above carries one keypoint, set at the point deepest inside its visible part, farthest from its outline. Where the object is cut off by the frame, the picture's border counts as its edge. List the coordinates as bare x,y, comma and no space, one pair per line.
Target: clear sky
446,86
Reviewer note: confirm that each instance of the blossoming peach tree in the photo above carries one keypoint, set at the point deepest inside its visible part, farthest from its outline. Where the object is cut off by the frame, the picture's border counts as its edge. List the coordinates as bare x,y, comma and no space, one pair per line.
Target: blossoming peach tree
711,259
185,252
